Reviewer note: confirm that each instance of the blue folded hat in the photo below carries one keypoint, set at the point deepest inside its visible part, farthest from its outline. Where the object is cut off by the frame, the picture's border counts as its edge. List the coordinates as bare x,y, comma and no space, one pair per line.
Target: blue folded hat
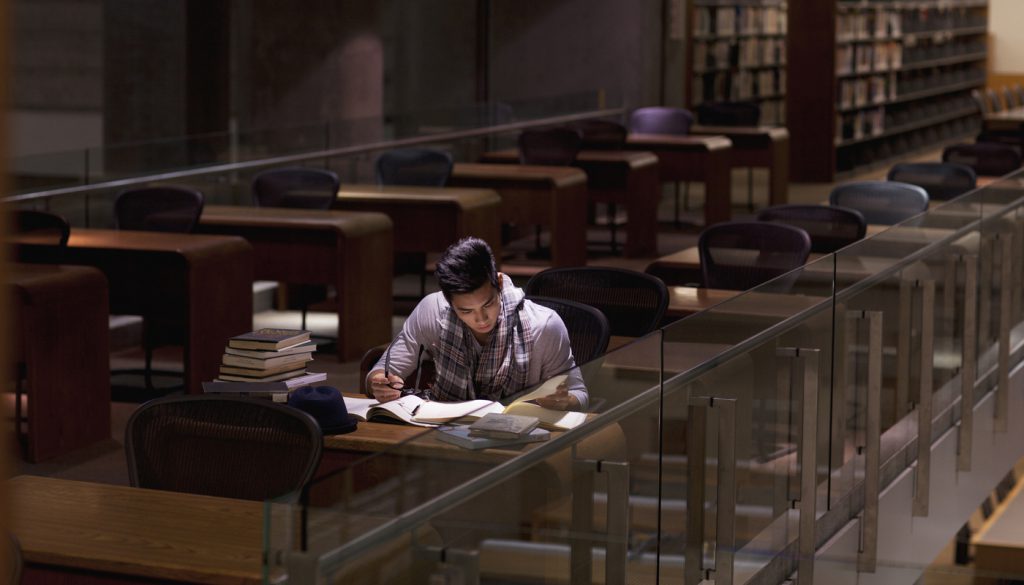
326,405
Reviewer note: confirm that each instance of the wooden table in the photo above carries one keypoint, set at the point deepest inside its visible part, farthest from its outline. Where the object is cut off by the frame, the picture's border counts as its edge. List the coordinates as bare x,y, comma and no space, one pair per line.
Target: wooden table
533,194
627,179
429,219
71,531
1007,120
686,300
197,286
349,250
758,146
704,159
61,335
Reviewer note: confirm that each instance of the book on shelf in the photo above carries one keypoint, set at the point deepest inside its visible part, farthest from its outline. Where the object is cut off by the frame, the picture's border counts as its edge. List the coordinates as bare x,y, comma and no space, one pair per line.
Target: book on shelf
461,436
294,359
306,347
269,339
411,409
283,386
503,426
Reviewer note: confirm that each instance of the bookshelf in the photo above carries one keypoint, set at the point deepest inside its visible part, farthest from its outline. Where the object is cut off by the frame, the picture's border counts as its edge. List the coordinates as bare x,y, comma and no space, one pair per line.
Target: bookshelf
900,76
738,52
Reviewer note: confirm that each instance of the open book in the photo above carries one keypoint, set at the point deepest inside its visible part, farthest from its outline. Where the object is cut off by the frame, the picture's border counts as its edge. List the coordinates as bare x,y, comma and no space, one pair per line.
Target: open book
416,411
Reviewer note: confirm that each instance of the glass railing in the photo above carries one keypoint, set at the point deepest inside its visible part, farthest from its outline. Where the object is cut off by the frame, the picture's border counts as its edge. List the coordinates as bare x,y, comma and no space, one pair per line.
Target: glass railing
843,419
36,176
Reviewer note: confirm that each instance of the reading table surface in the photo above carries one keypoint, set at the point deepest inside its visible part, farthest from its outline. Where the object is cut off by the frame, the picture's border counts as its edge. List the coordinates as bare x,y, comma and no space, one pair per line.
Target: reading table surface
1011,119
126,534
198,287
349,250
626,178
429,219
534,194
61,335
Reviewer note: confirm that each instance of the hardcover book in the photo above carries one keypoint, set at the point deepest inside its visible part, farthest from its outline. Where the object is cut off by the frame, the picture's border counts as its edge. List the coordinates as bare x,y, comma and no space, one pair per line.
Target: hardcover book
272,387
461,436
503,426
307,347
269,338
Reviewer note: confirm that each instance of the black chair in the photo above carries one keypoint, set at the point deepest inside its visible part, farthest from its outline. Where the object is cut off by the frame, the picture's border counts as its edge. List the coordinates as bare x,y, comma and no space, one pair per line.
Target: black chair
741,255
417,167
297,187
159,209
167,208
633,302
226,446
588,327
43,226
989,159
942,180
601,134
881,202
423,375
830,227
664,120
732,114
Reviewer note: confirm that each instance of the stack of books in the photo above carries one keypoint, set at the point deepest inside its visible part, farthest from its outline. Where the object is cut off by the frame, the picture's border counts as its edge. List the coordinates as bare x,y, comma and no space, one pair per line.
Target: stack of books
495,430
266,361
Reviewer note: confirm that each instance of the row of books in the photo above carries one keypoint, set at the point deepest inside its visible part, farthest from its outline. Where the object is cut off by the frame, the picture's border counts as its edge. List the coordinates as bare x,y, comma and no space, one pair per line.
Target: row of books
742,20
745,53
266,361
868,58
876,89
742,85
875,23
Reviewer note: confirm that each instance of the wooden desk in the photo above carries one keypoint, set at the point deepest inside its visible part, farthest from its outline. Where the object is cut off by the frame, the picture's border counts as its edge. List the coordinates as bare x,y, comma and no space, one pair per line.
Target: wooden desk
72,530
686,300
758,146
1007,120
534,194
62,337
349,250
198,287
429,219
627,179
706,159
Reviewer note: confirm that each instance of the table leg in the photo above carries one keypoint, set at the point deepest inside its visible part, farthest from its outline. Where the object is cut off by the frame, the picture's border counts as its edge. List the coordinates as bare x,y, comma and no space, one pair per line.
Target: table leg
779,173
717,187
568,226
363,285
644,191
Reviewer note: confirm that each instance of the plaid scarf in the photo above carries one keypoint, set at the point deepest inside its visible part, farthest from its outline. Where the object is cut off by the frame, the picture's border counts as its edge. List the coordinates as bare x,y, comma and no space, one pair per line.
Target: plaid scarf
503,365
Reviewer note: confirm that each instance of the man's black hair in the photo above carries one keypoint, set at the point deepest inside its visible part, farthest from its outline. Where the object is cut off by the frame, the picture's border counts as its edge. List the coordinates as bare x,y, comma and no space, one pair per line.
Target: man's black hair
466,266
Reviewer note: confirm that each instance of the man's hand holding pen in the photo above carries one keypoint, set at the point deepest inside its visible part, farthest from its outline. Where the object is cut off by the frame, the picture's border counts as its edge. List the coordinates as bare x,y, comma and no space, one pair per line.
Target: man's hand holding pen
386,387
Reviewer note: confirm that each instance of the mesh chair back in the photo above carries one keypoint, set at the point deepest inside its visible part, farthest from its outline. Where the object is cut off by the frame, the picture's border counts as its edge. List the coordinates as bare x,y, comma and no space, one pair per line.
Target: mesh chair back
830,227
660,120
554,146
43,226
942,180
372,356
881,202
981,101
295,187
994,103
588,327
1010,97
418,167
741,255
224,446
158,209
633,302
986,158
729,114
601,134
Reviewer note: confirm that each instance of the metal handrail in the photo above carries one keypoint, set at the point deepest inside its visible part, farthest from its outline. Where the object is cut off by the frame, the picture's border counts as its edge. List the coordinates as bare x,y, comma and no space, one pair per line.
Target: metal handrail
326,153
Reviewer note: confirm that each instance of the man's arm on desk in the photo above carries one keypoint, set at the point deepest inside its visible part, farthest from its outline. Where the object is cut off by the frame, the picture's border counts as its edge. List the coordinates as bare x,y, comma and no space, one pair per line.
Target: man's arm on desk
552,348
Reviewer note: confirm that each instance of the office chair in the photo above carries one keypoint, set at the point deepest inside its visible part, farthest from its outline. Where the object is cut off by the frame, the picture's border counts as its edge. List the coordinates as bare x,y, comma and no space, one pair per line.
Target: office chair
664,120
881,202
732,114
830,227
942,180
42,226
633,302
588,327
167,208
298,188
418,167
989,159
741,255
226,446
601,134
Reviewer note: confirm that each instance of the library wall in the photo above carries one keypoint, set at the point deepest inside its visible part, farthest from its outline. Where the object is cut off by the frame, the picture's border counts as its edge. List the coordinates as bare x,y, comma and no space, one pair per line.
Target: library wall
1006,44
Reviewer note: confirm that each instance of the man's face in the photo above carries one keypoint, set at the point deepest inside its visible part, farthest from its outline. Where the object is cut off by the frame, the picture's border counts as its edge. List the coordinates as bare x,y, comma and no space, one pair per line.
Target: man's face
478,309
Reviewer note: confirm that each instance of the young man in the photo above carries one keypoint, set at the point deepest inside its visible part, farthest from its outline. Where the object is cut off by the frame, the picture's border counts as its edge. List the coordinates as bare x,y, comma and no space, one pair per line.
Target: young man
486,340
